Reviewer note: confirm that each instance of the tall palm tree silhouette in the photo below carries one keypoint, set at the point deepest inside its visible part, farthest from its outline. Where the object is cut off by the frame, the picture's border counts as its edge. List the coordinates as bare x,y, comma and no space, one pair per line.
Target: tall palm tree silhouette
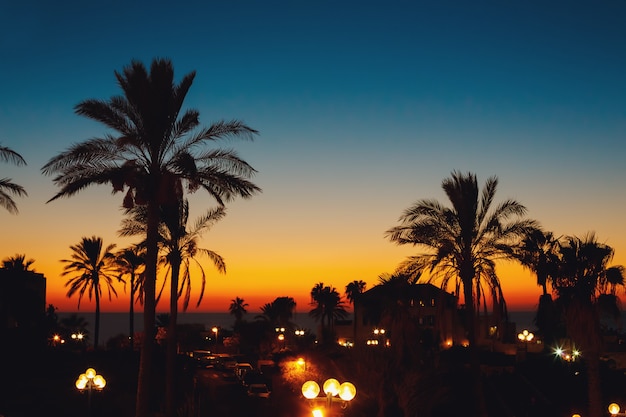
538,252
461,244
90,268
353,291
179,248
155,154
8,188
586,285
131,261
328,306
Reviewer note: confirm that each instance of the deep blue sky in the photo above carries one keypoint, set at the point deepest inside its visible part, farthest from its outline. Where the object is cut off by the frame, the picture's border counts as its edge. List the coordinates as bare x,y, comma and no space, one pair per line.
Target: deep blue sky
363,107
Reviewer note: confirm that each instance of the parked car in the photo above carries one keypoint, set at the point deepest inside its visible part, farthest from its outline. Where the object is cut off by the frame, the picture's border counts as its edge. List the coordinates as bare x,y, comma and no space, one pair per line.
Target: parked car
258,391
241,369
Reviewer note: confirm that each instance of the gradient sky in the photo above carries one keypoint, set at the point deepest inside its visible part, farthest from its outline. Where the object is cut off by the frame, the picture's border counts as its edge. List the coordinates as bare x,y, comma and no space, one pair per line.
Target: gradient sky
362,107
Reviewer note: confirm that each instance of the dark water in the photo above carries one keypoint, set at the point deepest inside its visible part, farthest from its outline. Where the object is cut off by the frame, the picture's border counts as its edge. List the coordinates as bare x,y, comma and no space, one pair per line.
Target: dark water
113,324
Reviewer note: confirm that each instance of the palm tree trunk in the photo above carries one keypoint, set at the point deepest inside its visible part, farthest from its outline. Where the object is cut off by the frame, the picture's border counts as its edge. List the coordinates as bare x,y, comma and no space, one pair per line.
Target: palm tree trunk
468,294
354,323
131,318
593,384
144,378
170,360
96,336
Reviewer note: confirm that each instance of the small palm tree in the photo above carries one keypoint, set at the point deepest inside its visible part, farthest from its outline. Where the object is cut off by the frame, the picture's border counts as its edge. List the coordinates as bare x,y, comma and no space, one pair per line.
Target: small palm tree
18,263
8,188
238,308
328,306
538,252
462,244
90,268
131,262
155,154
353,291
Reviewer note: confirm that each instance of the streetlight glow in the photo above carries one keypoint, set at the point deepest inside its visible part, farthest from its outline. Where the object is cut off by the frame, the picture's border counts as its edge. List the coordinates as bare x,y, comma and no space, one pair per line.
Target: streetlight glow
347,391
310,389
331,387
89,381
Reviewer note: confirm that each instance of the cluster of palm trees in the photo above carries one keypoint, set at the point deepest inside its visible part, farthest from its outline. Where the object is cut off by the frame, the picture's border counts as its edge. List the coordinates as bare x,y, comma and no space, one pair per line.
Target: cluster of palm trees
463,243
156,153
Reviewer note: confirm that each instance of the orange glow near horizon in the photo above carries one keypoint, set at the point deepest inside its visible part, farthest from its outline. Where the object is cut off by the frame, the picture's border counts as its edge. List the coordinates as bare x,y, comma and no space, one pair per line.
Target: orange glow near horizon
519,286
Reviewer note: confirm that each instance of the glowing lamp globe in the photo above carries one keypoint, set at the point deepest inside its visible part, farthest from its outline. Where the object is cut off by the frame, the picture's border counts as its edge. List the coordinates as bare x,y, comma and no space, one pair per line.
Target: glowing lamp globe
613,408
347,391
99,381
331,386
310,389
90,373
81,382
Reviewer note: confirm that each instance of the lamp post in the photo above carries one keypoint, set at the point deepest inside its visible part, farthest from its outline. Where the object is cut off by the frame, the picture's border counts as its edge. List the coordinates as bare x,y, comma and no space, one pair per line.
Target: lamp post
332,388
89,381
525,337
215,330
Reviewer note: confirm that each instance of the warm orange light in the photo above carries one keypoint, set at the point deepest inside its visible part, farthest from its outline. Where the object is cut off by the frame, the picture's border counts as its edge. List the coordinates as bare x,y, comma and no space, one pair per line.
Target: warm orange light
310,389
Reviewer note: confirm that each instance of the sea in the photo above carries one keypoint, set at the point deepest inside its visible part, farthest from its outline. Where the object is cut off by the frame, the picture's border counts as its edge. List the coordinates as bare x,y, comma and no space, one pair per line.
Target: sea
114,324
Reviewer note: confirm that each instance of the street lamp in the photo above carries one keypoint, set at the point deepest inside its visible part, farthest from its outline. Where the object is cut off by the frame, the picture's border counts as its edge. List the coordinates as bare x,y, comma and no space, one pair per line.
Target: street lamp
301,364
215,330
89,381
614,410
525,336
332,388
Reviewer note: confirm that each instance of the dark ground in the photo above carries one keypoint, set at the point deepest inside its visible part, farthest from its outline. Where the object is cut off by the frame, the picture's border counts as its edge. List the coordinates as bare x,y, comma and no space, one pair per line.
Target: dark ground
42,384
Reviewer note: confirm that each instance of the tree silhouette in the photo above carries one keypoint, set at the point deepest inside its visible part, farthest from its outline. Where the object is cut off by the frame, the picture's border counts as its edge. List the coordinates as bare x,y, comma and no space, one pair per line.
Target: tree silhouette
586,287
462,244
8,188
238,308
155,154
131,261
179,248
328,306
353,291
90,268
538,252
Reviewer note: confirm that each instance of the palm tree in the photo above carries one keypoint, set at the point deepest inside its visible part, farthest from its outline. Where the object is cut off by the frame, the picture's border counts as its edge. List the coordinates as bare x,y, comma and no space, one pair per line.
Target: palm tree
353,291
7,188
538,252
18,263
179,248
131,261
586,287
328,306
91,266
238,308
156,154
279,312
462,244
